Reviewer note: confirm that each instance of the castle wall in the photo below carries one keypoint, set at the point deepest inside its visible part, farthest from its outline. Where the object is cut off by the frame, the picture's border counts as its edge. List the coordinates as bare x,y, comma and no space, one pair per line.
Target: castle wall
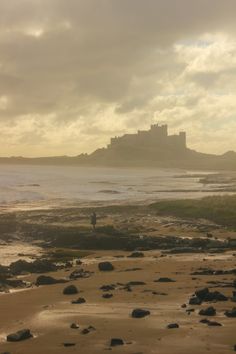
156,137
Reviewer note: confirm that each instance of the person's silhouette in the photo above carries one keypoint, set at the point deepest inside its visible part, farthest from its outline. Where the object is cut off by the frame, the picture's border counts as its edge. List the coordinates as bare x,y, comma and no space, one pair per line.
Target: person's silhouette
93,220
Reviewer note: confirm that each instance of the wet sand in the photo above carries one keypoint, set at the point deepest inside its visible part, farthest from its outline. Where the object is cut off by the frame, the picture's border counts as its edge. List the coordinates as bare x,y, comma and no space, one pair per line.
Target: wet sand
49,313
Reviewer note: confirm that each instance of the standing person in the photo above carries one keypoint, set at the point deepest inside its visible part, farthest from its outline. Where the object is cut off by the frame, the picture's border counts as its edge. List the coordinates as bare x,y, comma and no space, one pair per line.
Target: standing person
93,219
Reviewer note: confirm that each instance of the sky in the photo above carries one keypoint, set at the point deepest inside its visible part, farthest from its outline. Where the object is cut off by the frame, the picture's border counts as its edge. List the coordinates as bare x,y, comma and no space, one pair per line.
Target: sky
74,73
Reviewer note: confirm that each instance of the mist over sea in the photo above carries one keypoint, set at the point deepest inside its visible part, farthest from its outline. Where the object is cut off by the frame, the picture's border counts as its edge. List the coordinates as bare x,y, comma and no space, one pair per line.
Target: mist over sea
26,187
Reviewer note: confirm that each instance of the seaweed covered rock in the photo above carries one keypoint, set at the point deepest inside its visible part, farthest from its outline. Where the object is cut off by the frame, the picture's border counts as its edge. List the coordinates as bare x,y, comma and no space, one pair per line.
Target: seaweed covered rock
19,336
105,266
140,313
70,290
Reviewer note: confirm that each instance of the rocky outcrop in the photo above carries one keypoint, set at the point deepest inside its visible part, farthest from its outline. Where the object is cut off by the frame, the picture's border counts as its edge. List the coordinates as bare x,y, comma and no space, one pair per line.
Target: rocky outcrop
19,336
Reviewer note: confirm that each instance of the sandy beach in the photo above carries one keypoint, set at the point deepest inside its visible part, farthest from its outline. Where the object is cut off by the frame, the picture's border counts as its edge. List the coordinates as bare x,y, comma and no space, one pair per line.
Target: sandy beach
49,313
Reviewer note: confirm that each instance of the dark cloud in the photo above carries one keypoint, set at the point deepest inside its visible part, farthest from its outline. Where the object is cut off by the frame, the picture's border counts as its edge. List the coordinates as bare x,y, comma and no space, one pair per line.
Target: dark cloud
73,59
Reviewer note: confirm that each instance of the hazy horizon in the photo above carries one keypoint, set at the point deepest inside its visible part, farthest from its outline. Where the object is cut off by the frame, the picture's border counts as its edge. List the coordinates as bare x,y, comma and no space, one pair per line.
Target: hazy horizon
73,74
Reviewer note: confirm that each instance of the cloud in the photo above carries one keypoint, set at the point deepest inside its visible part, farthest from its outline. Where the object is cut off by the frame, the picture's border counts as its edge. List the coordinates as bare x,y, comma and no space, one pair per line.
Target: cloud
73,73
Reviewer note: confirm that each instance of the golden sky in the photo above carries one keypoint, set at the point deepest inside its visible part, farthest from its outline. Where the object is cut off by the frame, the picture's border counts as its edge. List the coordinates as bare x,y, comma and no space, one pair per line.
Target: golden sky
73,73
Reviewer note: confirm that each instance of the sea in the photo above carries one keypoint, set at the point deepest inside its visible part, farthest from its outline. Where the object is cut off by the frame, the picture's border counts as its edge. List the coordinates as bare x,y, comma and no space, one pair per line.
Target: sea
28,187
24,187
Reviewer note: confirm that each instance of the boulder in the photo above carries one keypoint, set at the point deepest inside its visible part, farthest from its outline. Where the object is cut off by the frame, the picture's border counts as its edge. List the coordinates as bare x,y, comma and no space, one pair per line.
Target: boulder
19,336
70,290
209,311
105,266
202,293
116,341
231,313
47,280
140,313
195,301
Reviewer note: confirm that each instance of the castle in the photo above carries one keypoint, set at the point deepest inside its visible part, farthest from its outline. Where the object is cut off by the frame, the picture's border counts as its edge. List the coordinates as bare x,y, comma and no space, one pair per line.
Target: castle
154,138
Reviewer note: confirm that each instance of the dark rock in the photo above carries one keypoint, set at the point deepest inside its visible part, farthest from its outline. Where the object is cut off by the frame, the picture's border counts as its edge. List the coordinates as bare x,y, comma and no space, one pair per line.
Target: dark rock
107,287
173,325
80,300
206,295
195,301
70,290
164,280
74,326
135,283
214,324
140,313
107,296
136,255
183,306
105,266
209,311
79,273
38,266
116,341
19,336
202,293
204,320
47,280
231,313
69,344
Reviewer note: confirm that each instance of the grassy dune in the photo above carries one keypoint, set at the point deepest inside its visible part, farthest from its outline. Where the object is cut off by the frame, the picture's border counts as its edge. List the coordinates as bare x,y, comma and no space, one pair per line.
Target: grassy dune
221,210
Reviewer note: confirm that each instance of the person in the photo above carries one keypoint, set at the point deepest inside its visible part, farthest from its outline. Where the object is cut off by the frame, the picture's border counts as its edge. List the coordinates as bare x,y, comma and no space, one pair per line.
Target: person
93,220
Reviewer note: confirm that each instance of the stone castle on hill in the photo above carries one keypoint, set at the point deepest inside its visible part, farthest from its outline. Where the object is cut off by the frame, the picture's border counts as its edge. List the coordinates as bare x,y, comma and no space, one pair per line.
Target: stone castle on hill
147,148
154,138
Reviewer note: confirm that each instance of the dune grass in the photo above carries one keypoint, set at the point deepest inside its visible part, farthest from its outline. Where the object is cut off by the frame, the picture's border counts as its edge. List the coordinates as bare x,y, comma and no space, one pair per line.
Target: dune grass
220,209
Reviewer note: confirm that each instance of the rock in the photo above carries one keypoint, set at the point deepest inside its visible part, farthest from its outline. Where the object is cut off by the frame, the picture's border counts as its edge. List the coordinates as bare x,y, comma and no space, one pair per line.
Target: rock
116,341
107,287
135,283
70,290
67,344
195,301
140,313
80,300
214,324
164,280
136,255
85,331
19,336
79,273
107,296
231,313
173,325
235,347
74,326
105,266
183,306
206,295
38,266
88,330
47,280
209,311
202,293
